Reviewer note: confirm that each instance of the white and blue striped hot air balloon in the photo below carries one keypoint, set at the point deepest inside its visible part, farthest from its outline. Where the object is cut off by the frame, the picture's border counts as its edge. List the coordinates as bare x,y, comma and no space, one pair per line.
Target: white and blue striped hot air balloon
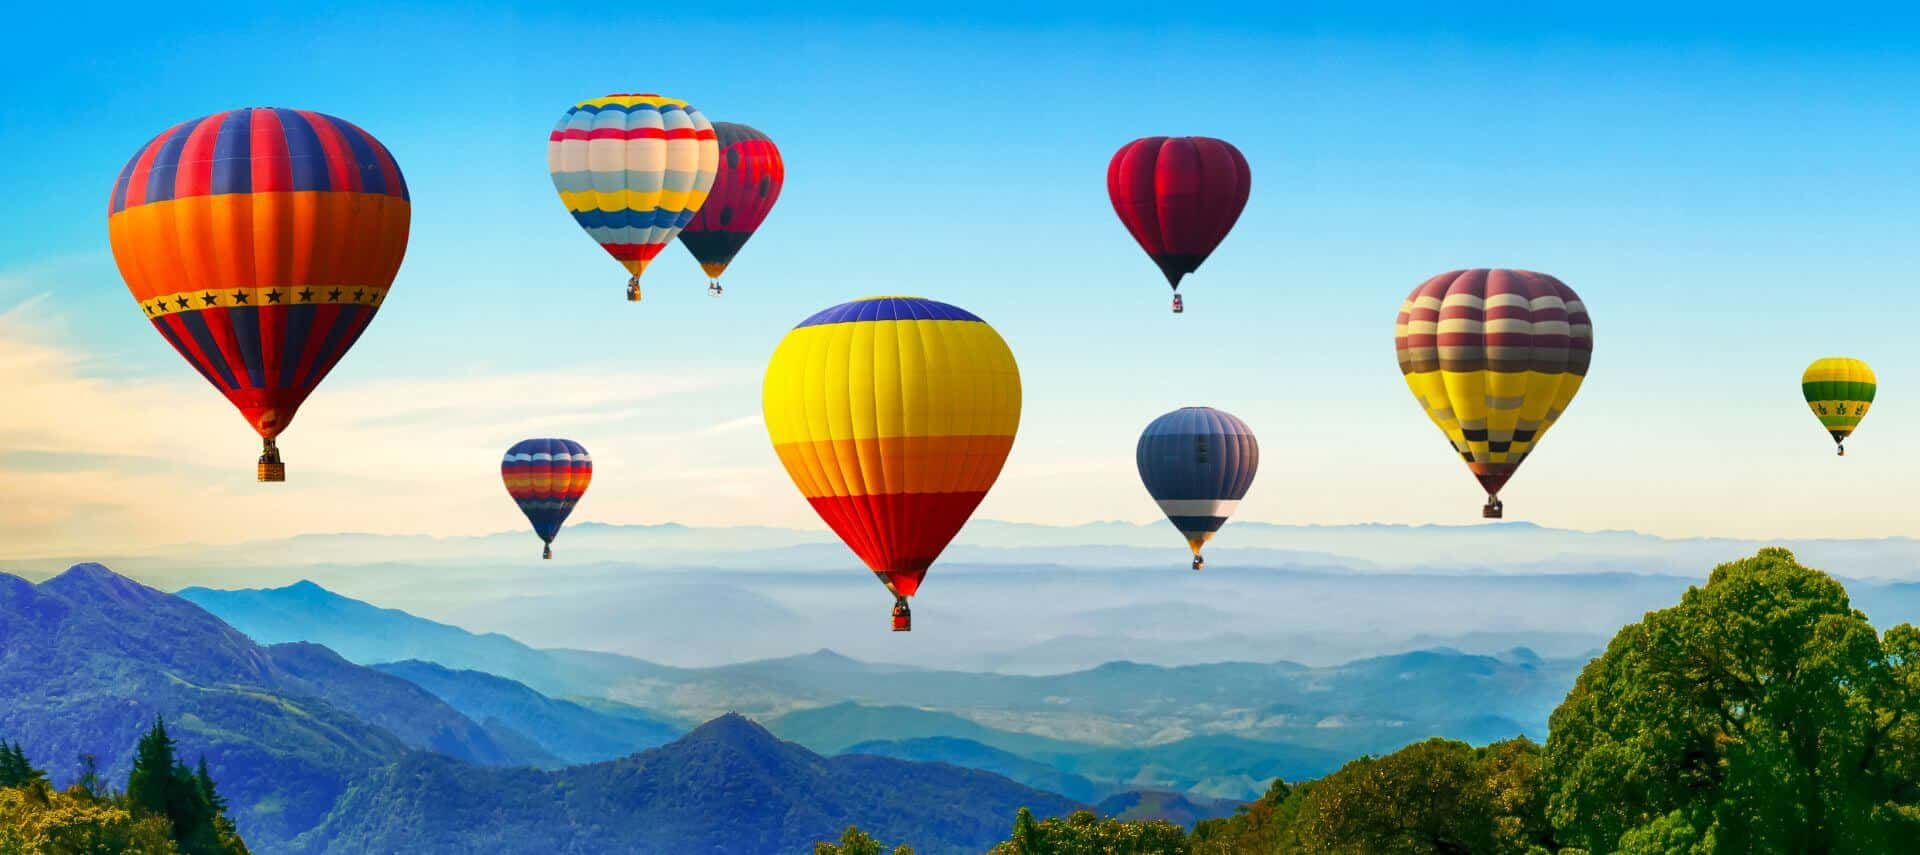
1197,463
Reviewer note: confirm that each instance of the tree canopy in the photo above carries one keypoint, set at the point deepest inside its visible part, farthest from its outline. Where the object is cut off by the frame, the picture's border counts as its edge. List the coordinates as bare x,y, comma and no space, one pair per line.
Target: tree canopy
166,810
1761,714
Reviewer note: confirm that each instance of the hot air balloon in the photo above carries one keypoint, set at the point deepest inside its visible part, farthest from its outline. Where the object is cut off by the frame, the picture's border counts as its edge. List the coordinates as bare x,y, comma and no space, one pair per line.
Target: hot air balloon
632,169
893,415
1179,196
1494,356
1197,462
260,243
1839,390
546,478
744,190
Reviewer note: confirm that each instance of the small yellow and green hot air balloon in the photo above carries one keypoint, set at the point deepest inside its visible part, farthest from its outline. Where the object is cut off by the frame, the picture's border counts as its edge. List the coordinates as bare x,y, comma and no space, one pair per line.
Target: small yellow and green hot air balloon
1839,389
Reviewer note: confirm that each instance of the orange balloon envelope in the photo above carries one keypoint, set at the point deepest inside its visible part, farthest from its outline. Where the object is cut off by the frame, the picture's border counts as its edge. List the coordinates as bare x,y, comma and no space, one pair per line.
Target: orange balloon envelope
260,243
893,415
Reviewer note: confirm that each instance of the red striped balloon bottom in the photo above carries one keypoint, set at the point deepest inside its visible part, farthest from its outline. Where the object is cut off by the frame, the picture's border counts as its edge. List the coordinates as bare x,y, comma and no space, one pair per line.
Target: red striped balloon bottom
898,535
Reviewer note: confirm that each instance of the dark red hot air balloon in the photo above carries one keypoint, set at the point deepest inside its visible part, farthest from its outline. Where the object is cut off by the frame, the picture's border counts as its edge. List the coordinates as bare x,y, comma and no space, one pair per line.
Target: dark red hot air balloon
744,190
1179,196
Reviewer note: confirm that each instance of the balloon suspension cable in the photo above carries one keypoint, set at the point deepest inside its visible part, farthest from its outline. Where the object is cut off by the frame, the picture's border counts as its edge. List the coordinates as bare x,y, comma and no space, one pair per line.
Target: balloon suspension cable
1494,509
1198,562
902,616
1179,305
546,552
714,289
271,470
633,290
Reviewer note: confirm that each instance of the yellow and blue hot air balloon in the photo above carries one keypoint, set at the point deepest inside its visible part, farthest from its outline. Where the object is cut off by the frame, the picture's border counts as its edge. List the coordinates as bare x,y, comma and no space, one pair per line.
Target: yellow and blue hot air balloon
633,170
1839,390
893,416
1198,463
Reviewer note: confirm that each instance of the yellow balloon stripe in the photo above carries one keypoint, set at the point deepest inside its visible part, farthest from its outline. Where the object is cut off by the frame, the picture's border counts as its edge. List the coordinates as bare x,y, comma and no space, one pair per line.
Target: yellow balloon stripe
914,378
636,200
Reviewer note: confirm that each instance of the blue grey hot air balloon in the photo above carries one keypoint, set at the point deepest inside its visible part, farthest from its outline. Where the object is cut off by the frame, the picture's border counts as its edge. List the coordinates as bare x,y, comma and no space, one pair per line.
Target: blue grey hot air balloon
1197,462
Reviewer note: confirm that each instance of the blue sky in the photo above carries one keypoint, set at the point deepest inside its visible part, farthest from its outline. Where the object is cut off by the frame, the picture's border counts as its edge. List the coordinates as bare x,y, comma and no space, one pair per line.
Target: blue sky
1731,191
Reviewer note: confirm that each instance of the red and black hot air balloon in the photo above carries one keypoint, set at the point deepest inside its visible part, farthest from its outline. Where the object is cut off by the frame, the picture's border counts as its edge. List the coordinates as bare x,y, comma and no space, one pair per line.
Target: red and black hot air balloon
744,189
1179,196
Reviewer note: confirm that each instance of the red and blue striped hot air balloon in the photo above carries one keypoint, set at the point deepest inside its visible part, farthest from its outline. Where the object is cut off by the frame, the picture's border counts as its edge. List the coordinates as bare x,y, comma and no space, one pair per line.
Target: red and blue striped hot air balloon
744,189
260,243
1198,463
546,478
1178,197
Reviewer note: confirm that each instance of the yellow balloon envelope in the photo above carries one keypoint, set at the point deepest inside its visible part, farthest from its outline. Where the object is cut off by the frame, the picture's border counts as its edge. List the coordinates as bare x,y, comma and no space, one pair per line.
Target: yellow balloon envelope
893,415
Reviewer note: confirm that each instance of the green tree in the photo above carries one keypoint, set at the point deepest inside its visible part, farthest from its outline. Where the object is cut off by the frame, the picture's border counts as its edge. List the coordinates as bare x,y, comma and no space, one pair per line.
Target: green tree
1761,714
1265,825
161,785
1439,796
1083,833
15,769
150,785
853,841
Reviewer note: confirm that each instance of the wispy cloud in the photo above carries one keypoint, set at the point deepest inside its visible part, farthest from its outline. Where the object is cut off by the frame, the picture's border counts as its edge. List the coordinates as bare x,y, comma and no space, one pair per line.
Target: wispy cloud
91,462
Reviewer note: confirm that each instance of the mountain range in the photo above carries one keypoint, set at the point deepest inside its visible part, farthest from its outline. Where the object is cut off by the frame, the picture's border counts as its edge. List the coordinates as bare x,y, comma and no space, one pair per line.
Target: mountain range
318,755
1220,730
727,786
1021,599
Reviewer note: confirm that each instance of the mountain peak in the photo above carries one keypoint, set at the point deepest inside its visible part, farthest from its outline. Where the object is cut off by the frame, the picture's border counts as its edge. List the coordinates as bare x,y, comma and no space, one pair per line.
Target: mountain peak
308,590
730,729
97,579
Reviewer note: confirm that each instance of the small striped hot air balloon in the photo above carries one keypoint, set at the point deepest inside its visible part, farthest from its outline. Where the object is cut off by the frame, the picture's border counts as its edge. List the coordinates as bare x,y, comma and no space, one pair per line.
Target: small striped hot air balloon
260,243
546,478
1494,357
1839,390
747,184
893,415
1197,463
632,169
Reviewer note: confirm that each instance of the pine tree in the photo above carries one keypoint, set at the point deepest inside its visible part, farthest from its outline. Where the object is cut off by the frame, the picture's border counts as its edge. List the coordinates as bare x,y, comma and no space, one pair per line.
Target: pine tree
150,784
211,795
15,769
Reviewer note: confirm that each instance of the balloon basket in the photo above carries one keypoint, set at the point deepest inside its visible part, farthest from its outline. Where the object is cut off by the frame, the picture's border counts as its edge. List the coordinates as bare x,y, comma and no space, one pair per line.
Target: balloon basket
1493,510
902,616
714,289
271,470
1199,562
633,290
546,553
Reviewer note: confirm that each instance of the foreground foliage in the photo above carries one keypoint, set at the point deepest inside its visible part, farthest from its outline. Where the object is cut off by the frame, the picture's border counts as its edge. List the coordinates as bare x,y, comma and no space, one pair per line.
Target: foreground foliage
166,810
1760,714
1083,833
853,841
